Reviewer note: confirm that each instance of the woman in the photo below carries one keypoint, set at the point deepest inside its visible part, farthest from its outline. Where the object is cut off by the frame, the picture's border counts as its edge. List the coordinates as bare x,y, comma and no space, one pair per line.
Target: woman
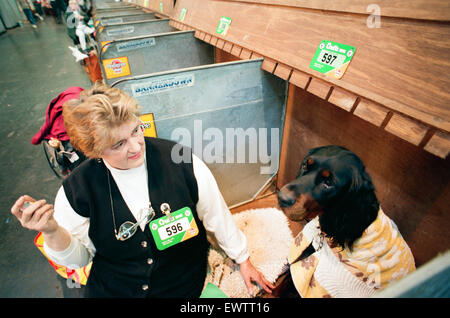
103,210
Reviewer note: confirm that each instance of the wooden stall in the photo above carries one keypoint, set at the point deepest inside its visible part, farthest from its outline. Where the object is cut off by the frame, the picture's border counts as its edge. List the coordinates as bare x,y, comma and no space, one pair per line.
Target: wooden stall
391,106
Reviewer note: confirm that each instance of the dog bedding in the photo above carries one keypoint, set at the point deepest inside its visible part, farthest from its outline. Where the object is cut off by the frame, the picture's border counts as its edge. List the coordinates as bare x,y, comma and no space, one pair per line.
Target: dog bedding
379,257
268,241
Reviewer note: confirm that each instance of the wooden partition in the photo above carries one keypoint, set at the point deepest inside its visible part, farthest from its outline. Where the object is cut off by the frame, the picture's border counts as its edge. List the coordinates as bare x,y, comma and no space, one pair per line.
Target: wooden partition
391,107
436,10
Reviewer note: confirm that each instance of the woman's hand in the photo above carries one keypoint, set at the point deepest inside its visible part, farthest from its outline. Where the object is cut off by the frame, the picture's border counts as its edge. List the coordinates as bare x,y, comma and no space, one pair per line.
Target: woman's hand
38,216
250,273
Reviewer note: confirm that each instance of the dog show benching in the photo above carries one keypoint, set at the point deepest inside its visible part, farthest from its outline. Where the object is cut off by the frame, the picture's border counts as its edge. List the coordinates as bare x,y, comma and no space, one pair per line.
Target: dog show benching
114,13
101,5
127,18
279,90
100,8
117,31
104,17
209,108
154,53
393,114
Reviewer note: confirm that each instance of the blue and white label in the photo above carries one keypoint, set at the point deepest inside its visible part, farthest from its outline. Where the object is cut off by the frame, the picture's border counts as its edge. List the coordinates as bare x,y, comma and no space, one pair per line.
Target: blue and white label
125,30
135,45
158,86
112,21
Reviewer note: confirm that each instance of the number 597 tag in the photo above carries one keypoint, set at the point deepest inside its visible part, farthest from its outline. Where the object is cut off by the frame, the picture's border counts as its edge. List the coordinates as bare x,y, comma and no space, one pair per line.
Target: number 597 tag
332,58
180,227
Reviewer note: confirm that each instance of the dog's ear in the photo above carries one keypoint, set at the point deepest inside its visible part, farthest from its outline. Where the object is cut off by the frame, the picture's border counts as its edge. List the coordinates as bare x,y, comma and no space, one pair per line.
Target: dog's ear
360,181
362,205
352,211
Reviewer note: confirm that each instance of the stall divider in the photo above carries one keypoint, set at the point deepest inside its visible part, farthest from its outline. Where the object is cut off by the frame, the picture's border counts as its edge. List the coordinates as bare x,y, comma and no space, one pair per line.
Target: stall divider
153,53
231,114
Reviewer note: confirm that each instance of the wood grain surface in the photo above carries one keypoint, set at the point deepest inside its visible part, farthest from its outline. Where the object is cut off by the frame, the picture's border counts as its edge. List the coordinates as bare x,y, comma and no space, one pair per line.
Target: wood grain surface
417,9
402,65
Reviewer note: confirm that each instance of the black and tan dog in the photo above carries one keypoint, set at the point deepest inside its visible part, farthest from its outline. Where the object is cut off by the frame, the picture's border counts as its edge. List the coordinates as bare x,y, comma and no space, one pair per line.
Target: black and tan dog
350,248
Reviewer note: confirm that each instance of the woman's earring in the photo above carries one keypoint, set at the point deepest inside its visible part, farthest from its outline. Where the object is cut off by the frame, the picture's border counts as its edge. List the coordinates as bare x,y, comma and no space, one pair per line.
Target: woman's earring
99,160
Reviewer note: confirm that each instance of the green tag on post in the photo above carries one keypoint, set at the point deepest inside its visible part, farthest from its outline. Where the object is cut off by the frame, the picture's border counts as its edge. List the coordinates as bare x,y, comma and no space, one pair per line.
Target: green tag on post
223,26
179,227
182,14
332,58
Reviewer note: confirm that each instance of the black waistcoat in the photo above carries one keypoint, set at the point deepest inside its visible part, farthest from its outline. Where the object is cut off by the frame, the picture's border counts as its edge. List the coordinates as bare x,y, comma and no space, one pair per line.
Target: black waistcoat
135,267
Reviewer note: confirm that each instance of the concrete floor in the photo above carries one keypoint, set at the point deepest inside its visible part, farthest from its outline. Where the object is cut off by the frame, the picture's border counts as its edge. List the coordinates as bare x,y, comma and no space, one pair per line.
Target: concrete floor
36,66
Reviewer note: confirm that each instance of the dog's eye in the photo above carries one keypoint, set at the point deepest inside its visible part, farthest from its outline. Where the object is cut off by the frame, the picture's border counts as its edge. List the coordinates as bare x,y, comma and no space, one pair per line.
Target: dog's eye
307,163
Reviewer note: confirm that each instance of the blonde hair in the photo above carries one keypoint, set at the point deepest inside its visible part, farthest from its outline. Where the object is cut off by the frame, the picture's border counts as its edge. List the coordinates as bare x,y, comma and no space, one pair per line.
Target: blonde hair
90,120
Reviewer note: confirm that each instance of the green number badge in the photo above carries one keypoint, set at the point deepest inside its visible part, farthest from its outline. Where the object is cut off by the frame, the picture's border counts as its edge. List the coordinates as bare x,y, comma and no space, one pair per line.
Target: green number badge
224,24
179,227
182,14
332,58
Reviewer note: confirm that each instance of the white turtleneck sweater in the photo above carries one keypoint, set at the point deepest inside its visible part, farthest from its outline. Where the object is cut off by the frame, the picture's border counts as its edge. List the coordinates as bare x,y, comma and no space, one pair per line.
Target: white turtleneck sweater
133,186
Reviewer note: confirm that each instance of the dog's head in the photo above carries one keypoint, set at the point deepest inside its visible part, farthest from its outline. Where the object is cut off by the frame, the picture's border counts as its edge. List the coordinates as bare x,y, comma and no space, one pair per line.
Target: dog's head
332,182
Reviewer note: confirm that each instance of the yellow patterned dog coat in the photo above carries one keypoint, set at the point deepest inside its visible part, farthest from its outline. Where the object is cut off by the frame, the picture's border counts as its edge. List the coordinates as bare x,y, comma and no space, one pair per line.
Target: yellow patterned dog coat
379,257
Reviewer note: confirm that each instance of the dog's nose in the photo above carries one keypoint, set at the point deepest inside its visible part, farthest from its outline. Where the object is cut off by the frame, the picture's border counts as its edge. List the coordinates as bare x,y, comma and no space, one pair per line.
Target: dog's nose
285,199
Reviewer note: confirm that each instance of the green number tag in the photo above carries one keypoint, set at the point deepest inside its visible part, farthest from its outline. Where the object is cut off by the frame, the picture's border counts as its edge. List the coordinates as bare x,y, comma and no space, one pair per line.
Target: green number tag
182,14
180,227
332,58
223,26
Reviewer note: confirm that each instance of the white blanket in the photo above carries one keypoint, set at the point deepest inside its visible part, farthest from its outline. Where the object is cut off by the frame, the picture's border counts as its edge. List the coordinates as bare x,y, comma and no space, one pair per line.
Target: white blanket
268,241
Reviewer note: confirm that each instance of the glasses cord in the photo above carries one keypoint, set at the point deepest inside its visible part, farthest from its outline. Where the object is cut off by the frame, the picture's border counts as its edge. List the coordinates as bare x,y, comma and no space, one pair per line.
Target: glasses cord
111,203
